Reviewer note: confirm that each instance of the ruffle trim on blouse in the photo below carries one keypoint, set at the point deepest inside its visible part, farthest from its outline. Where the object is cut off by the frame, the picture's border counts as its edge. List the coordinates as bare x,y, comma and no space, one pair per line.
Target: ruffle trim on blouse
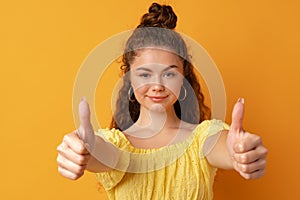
138,160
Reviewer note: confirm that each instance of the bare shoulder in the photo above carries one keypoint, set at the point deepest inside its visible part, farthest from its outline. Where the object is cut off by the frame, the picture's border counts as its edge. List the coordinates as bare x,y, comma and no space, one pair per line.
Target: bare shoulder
187,126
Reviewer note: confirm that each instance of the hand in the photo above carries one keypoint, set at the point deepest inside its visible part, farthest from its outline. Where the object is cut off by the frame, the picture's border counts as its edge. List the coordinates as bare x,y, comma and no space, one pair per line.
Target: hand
74,151
247,150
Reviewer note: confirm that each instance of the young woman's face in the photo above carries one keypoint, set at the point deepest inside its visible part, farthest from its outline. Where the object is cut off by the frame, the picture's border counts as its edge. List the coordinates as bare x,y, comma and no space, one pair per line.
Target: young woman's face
156,77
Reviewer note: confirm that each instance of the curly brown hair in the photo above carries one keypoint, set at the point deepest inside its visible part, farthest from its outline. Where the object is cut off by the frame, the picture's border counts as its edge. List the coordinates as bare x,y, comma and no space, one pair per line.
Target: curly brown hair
156,29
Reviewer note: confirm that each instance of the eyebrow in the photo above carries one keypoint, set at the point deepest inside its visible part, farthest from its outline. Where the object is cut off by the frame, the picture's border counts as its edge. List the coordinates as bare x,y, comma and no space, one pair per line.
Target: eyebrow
149,70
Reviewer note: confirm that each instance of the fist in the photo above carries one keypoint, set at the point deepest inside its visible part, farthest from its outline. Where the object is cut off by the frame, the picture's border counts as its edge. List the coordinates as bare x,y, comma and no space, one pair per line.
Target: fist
247,150
72,156
74,151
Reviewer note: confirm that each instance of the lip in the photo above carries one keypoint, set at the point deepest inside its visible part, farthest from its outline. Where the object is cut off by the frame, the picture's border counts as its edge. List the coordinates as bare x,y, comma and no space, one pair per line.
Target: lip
157,98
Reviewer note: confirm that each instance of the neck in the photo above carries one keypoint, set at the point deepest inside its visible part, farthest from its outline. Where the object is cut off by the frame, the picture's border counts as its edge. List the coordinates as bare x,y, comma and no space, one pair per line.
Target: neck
157,118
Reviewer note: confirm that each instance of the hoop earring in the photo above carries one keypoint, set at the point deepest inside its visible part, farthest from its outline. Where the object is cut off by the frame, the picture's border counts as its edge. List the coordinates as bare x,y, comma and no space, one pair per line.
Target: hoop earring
130,94
182,99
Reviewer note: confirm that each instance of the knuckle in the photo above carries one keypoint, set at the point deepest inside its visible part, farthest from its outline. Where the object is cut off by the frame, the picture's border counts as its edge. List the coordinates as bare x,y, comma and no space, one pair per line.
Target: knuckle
265,151
59,170
244,159
58,160
81,148
251,177
247,176
62,172
77,176
242,143
240,147
66,138
85,159
244,168
60,148
69,174
263,163
69,136
79,170
74,177
257,139
81,159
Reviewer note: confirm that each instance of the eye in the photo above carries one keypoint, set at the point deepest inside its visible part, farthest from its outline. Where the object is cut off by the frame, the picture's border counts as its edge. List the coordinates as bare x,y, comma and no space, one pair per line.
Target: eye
144,75
169,74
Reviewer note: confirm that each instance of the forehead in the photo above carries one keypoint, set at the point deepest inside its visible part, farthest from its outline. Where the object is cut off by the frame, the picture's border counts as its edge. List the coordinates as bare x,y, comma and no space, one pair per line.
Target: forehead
156,56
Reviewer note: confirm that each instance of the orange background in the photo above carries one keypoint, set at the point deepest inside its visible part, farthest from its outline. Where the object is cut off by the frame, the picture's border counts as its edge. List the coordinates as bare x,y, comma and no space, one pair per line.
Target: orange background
255,44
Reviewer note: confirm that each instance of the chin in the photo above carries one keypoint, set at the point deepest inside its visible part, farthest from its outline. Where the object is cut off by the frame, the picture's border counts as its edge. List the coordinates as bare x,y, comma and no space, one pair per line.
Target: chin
157,108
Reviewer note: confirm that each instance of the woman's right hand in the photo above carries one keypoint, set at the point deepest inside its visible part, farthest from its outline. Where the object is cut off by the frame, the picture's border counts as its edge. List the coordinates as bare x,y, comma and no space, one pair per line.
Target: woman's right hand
74,151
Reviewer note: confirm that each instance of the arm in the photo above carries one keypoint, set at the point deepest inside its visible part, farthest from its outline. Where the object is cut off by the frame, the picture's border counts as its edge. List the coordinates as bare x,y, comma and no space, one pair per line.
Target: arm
104,156
82,150
219,156
74,158
239,150
248,156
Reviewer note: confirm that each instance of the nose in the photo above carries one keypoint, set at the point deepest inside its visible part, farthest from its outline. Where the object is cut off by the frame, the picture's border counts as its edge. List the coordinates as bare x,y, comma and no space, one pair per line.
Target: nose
157,88
157,85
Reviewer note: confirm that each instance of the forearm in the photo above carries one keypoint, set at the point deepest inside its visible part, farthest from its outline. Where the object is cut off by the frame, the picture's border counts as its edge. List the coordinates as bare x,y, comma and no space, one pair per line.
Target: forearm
219,156
104,156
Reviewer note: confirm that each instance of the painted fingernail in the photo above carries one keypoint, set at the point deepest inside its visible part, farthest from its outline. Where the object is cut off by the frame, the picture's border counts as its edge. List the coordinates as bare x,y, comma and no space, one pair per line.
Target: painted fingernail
82,98
241,100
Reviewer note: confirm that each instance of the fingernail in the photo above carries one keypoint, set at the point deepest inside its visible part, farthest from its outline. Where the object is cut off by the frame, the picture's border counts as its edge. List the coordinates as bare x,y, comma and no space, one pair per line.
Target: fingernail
241,100
82,99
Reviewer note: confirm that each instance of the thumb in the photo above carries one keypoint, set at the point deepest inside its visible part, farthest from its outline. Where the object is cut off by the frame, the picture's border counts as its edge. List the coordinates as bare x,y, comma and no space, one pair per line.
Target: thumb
86,131
237,116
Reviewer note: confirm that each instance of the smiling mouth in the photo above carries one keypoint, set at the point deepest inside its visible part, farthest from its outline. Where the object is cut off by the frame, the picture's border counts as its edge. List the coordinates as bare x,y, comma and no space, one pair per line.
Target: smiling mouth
157,98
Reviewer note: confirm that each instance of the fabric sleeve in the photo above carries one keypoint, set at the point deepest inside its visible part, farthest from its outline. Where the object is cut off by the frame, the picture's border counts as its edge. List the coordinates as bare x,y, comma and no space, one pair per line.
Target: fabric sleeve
110,179
210,135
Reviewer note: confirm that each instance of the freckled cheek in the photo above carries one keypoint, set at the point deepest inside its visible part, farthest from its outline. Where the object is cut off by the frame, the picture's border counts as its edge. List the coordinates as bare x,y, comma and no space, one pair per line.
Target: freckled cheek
137,83
139,86
140,90
173,87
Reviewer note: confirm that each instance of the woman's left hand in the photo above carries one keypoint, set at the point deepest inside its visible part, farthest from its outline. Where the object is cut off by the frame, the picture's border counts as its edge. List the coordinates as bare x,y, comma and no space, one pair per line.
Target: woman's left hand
247,150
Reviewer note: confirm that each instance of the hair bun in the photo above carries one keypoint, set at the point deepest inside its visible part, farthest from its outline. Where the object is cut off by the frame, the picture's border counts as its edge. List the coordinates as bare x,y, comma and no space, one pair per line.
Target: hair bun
159,16
154,8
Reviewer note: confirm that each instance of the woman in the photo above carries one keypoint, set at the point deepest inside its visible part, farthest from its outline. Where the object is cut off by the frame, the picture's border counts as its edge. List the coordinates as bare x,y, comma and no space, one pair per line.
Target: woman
162,143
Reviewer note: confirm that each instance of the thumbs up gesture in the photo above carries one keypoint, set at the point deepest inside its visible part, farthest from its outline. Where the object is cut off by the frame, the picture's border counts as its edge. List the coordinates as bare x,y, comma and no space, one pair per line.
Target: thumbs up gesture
74,151
246,149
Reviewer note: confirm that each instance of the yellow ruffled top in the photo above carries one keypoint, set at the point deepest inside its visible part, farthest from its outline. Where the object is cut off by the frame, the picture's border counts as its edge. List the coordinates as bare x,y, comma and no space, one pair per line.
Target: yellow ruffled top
177,171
